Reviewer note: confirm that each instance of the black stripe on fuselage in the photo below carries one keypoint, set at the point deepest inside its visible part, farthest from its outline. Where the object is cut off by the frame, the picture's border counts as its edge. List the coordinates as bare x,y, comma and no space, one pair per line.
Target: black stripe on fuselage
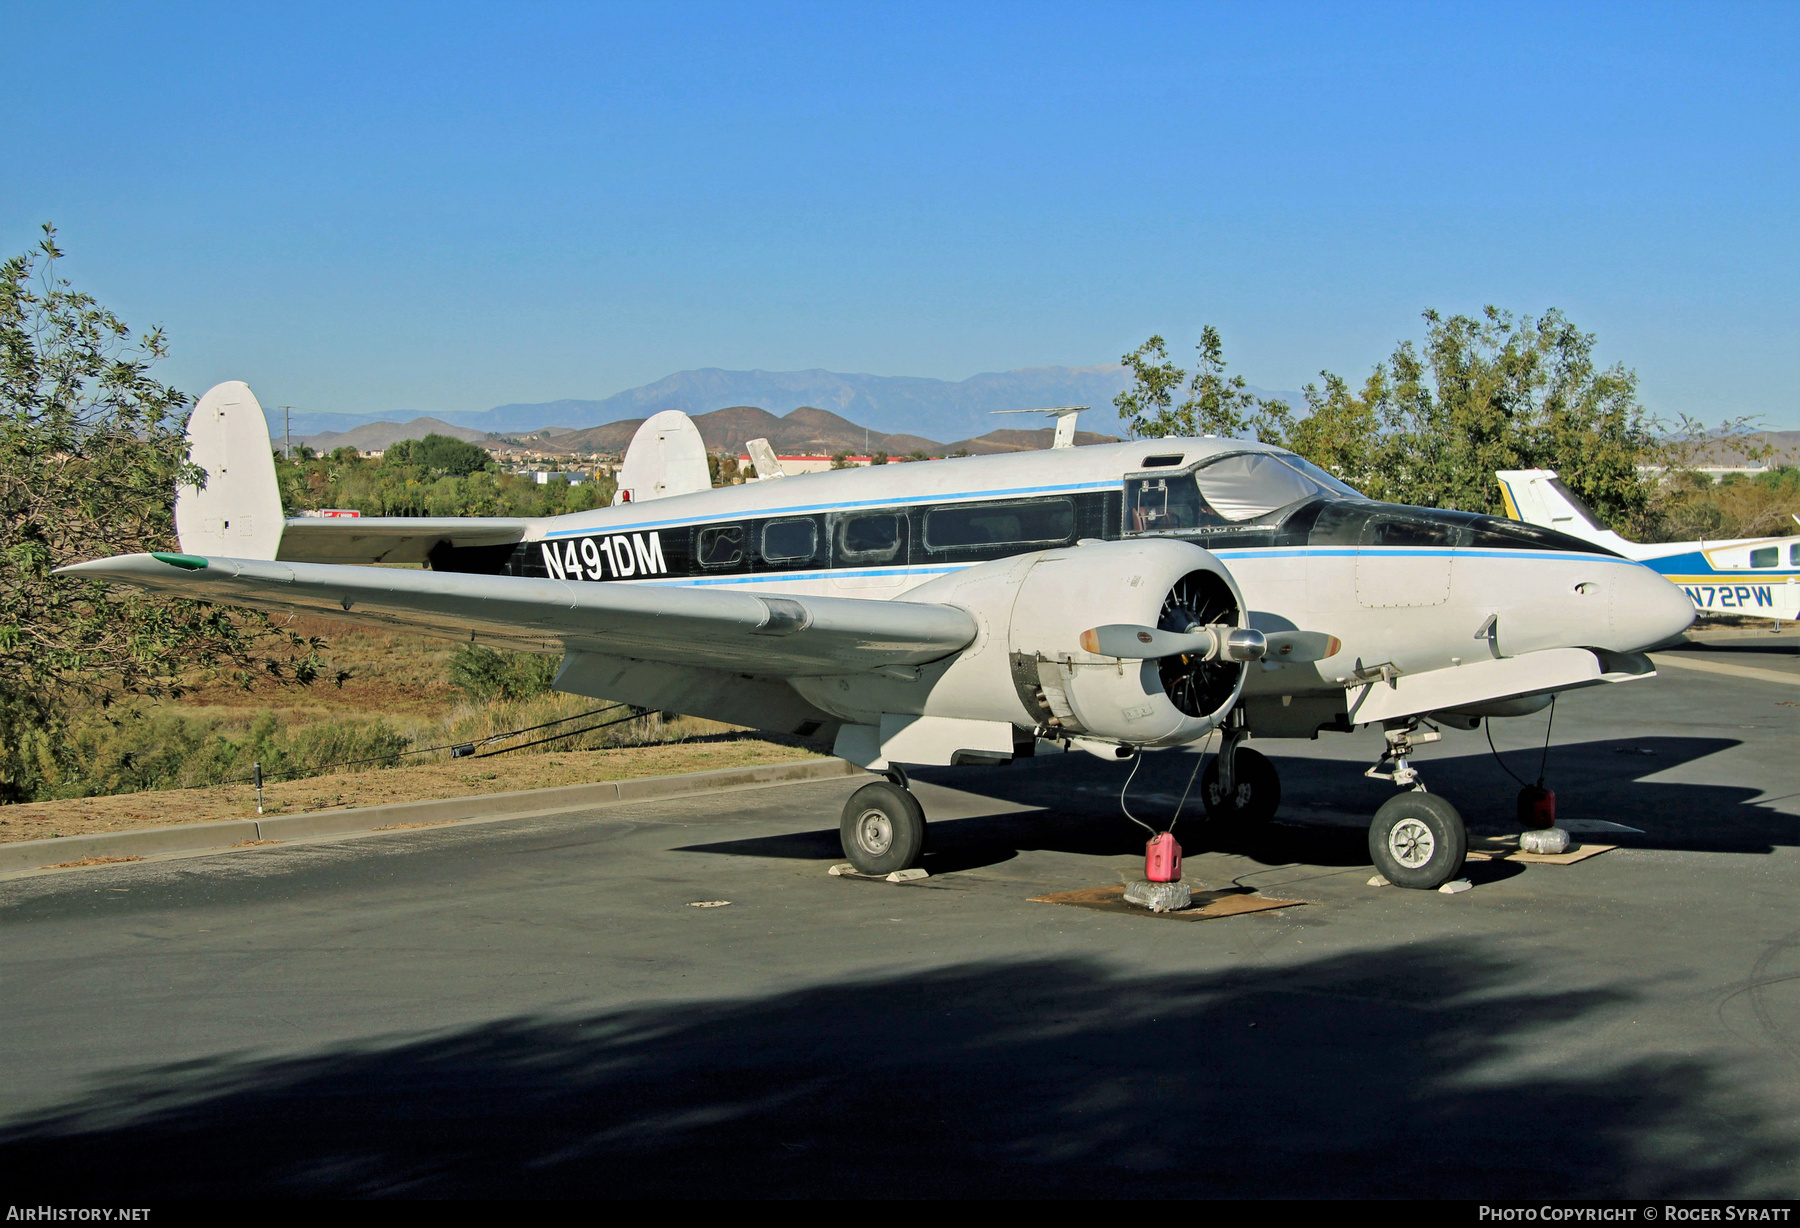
675,552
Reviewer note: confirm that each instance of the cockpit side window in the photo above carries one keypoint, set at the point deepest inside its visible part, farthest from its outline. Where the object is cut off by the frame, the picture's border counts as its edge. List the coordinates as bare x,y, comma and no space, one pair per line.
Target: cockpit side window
1246,485
1332,484
1166,503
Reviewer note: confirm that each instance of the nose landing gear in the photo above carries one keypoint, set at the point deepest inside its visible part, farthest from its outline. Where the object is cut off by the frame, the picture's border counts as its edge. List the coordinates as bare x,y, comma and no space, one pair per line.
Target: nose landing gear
1417,839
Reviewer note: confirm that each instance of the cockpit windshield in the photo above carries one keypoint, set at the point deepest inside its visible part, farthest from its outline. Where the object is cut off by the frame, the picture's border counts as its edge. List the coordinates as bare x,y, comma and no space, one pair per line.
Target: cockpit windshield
1246,485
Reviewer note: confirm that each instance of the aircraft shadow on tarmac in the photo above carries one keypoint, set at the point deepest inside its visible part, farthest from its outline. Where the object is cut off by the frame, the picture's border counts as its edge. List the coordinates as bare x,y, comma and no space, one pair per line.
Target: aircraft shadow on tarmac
1326,804
1386,1073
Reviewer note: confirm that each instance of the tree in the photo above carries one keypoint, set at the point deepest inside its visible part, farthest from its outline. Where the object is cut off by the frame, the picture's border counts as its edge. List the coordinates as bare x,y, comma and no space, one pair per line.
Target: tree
91,448
1431,425
1215,404
1496,391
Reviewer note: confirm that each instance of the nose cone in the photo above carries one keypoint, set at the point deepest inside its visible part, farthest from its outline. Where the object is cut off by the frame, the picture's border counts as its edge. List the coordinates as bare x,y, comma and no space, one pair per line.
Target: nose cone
1647,610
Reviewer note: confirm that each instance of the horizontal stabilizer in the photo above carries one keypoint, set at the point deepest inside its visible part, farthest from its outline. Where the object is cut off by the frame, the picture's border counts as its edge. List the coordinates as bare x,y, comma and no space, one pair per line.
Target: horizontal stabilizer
390,539
782,636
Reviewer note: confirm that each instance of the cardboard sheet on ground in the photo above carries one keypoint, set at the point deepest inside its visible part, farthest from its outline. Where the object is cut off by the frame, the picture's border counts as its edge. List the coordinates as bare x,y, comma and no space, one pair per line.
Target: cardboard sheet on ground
1207,905
1494,848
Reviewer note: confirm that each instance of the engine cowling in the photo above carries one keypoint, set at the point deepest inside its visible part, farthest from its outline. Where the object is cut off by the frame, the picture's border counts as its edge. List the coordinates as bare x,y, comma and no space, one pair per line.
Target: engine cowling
1027,672
1168,585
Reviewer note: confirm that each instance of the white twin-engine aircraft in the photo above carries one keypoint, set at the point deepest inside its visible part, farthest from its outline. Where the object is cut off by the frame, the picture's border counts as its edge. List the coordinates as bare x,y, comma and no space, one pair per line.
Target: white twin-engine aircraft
1109,598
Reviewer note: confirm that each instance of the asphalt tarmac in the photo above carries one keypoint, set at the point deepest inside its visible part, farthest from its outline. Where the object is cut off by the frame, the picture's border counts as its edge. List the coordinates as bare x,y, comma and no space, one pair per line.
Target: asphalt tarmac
533,1008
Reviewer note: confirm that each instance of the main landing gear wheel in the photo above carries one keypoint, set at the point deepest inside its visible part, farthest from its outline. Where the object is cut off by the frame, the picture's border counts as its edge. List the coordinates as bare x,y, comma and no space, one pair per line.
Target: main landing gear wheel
1256,792
1417,840
883,828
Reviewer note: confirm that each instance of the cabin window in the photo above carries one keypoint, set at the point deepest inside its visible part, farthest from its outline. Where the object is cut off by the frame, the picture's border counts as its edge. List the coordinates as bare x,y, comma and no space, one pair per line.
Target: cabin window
1495,533
868,539
721,546
1768,556
1164,462
1162,505
1794,555
1009,524
1252,484
789,541
1403,531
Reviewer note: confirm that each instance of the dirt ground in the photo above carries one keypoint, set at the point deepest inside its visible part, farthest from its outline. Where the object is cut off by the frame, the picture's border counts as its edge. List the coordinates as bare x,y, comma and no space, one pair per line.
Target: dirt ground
384,786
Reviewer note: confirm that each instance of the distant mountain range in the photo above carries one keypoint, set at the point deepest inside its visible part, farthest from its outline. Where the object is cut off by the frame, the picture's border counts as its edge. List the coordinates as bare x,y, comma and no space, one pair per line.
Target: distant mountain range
806,431
891,404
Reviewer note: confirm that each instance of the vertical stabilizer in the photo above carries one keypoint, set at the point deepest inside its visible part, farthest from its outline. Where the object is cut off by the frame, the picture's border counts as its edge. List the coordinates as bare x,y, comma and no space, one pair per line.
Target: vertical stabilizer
762,456
237,514
1538,496
666,457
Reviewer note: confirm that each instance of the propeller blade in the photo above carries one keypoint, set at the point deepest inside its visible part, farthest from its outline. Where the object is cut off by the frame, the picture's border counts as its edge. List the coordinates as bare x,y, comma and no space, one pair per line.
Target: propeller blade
1136,643
1300,646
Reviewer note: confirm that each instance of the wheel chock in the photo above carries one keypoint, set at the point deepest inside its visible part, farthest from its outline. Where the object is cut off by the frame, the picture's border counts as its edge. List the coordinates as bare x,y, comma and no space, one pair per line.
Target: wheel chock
845,870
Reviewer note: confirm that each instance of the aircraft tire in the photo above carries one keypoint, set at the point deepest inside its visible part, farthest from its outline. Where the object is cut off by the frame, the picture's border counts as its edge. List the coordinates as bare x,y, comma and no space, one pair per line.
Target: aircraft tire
883,828
1256,798
1417,840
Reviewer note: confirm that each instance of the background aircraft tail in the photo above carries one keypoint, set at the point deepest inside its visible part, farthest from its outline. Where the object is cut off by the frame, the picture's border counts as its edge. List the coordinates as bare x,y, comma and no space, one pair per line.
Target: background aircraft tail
1538,496
237,513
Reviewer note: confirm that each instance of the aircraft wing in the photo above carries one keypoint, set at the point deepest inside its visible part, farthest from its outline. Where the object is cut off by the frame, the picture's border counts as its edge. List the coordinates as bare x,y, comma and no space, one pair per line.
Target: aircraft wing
740,632
388,539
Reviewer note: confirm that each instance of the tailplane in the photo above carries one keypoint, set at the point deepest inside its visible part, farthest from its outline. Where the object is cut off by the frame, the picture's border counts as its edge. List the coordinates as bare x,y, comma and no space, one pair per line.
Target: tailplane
1538,496
237,513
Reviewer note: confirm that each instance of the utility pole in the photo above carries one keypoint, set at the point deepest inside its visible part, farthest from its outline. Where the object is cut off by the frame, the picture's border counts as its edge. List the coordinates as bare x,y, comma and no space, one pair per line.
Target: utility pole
287,430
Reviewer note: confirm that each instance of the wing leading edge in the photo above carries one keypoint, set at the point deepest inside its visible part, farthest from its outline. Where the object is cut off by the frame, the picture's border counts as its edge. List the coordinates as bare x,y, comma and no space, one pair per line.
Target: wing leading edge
739,632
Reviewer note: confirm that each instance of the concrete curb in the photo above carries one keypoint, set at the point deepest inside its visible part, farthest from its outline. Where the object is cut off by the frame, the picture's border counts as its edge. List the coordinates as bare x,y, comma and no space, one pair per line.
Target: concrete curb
194,837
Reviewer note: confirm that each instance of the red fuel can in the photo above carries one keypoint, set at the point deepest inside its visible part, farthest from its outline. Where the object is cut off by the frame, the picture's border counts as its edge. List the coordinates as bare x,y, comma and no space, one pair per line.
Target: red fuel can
1537,808
1162,859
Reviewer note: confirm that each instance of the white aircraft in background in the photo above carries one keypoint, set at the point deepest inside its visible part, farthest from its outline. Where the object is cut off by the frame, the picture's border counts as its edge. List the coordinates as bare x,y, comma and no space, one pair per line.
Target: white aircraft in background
972,611
1759,576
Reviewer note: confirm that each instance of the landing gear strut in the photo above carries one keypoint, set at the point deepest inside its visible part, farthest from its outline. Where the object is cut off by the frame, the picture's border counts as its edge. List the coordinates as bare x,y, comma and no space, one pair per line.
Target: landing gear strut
1417,839
883,828
1239,787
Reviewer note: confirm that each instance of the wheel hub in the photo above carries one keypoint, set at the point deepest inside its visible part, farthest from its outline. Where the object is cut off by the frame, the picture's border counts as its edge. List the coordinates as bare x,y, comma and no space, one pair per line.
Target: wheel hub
875,832
1411,843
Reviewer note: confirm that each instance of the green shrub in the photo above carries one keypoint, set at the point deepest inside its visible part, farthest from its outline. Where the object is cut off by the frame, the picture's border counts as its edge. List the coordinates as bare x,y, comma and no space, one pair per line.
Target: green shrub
486,675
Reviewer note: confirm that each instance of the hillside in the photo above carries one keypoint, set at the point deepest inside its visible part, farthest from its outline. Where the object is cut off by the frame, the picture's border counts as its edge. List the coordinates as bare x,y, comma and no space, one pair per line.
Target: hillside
376,436
808,431
888,404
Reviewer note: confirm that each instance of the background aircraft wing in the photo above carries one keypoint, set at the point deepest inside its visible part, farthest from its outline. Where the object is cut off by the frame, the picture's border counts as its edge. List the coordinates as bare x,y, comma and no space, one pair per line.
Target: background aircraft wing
741,632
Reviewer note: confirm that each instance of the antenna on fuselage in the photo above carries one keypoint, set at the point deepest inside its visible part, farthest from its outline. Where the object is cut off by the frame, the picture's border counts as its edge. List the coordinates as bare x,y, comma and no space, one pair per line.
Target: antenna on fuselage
1065,416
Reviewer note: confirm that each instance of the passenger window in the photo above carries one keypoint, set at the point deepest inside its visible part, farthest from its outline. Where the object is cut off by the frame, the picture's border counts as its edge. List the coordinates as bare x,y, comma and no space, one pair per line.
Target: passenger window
1768,556
869,539
1794,555
1160,505
1012,524
789,541
1396,531
721,546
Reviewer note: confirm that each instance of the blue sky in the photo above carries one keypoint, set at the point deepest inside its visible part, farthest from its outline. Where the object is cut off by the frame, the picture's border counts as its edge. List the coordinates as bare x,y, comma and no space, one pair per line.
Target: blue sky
375,208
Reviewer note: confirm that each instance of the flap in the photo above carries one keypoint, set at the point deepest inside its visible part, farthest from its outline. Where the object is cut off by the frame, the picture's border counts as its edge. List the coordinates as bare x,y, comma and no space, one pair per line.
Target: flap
1534,673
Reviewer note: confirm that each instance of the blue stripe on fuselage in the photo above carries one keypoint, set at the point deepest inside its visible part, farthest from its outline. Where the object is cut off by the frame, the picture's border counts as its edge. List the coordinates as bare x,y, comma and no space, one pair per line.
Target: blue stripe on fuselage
762,513
780,577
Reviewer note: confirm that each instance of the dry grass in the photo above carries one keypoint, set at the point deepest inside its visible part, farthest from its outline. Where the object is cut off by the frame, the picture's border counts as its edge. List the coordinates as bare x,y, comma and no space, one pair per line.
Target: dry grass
386,786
